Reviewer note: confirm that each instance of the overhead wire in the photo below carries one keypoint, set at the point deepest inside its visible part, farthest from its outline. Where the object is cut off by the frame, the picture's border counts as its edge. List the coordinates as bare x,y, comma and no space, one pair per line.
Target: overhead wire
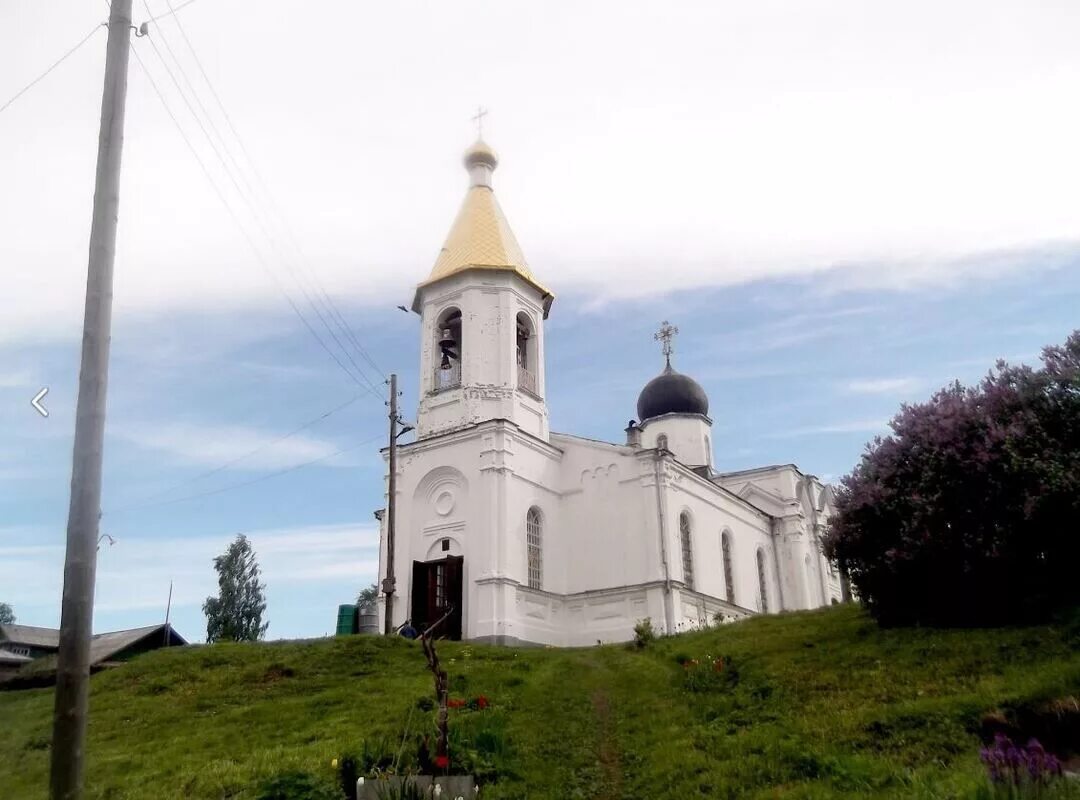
265,446
171,11
251,198
236,220
244,484
271,202
262,261
234,216
55,64
240,191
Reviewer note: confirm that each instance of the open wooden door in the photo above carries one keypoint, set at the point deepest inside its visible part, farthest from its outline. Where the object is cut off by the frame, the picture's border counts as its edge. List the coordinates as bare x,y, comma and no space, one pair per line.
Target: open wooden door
437,585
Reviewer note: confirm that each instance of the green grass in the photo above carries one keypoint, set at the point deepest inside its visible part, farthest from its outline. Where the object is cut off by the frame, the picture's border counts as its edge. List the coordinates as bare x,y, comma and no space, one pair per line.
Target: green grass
826,705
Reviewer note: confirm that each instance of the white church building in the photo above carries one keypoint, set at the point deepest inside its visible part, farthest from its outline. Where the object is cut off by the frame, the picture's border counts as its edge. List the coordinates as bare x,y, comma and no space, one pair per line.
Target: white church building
533,536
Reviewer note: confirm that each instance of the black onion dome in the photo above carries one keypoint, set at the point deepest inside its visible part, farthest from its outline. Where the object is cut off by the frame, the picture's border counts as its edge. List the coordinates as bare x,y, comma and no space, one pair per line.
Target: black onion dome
671,392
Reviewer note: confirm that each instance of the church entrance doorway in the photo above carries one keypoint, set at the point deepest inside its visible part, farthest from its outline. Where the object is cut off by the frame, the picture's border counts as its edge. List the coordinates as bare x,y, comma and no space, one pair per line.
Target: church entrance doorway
436,587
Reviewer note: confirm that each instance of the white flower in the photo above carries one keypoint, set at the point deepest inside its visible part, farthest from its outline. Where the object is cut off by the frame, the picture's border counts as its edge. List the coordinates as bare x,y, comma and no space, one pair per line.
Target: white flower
438,790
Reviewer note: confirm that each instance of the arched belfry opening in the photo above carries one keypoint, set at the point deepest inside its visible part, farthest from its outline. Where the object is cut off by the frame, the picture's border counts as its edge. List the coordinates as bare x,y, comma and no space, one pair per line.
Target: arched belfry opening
448,350
525,353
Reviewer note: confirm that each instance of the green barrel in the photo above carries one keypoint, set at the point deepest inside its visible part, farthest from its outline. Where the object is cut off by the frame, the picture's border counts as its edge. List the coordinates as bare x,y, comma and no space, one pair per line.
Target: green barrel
346,620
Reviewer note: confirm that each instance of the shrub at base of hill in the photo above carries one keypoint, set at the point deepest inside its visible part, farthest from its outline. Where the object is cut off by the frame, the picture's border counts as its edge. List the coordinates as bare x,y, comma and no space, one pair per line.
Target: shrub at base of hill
967,513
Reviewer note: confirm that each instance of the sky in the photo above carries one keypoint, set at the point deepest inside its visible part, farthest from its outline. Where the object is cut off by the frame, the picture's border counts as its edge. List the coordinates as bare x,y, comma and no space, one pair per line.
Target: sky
841,205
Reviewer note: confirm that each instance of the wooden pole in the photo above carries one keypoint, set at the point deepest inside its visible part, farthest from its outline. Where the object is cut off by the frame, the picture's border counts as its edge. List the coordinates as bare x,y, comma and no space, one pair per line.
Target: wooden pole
84,510
168,608
391,508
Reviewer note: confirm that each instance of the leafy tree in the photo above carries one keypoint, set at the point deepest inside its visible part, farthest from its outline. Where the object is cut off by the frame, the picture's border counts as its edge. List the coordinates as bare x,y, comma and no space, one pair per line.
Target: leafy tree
236,613
7,616
368,595
966,513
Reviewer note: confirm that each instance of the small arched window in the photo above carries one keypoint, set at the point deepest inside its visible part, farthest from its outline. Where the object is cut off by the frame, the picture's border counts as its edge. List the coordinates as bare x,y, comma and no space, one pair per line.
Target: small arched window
708,452
763,599
533,536
687,550
448,349
729,572
661,442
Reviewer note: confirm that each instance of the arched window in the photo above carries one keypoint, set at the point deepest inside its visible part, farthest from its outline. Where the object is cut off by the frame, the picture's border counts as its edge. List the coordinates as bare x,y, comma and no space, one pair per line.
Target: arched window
526,353
729,572
661,442
708,452
687,550
763,600
533,534
448,350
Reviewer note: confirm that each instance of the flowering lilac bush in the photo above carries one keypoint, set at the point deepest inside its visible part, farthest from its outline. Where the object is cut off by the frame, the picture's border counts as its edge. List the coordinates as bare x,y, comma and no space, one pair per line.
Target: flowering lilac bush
1020,771
966,513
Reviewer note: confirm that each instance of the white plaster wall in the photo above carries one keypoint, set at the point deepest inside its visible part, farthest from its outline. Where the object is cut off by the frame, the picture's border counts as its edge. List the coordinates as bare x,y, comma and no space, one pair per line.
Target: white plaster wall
689,437
713,511
610,517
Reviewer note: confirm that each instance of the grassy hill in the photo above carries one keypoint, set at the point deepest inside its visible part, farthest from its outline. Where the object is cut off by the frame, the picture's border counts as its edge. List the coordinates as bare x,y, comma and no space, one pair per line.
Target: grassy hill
816,704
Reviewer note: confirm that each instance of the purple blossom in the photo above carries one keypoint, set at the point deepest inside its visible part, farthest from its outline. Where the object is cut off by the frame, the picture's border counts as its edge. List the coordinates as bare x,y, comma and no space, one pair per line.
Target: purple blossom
975,489
1006,763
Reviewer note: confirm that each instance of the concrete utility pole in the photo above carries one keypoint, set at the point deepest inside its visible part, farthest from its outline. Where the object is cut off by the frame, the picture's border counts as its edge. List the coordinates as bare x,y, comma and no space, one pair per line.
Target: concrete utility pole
391,509
84,511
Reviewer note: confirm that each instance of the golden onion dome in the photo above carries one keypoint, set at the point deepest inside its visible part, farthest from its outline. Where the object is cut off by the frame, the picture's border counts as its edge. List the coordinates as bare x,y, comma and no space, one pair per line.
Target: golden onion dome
481,153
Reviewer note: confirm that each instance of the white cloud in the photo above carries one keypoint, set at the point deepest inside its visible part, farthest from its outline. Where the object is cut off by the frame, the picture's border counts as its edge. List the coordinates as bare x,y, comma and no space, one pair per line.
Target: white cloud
213,445
882,385
17,379
643,149
869,426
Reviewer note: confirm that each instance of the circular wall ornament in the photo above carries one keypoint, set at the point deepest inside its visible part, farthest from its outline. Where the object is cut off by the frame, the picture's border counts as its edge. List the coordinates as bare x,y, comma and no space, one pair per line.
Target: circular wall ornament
444,503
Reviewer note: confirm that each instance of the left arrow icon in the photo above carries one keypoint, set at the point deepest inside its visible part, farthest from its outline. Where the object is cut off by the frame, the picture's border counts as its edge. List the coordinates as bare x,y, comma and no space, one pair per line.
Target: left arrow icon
36,402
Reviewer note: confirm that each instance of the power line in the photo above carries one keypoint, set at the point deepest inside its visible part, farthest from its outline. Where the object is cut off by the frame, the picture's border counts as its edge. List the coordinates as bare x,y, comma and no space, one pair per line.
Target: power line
250,453
243,484
171,11
56,64
247,237
271,204
248,200
235,218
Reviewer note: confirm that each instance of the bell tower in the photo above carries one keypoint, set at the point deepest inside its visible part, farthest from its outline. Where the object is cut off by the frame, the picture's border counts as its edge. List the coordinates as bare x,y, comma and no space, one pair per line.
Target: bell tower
482,312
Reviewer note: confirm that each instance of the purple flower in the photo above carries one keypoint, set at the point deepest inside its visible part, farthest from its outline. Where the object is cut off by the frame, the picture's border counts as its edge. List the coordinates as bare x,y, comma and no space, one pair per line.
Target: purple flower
1007,763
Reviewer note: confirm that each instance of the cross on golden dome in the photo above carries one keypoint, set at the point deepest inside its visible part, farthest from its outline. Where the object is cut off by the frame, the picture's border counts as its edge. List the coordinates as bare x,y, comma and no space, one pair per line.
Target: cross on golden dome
481,112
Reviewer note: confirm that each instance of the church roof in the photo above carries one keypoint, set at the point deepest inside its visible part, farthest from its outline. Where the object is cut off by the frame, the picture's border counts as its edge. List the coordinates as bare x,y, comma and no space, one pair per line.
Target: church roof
480,237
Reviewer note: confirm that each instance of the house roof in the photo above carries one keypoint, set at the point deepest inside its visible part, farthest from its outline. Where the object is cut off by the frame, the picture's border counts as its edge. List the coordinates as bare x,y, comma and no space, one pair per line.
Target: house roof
105,645
102,647
8,657
30,636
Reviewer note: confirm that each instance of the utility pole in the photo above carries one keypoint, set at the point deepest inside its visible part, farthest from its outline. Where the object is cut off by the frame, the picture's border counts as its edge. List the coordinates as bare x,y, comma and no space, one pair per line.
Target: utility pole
168,608
391,509
84,511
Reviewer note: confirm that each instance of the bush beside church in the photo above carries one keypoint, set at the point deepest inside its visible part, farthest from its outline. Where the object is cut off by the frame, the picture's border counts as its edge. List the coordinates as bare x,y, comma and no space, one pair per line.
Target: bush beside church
967,513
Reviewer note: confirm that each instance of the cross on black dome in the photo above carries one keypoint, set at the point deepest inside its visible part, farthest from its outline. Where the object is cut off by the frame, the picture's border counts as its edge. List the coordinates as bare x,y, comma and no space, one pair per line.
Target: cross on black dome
671,392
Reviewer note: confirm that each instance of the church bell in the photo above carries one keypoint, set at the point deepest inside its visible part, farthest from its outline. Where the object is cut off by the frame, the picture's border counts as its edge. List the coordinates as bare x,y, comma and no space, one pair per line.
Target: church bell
446,345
